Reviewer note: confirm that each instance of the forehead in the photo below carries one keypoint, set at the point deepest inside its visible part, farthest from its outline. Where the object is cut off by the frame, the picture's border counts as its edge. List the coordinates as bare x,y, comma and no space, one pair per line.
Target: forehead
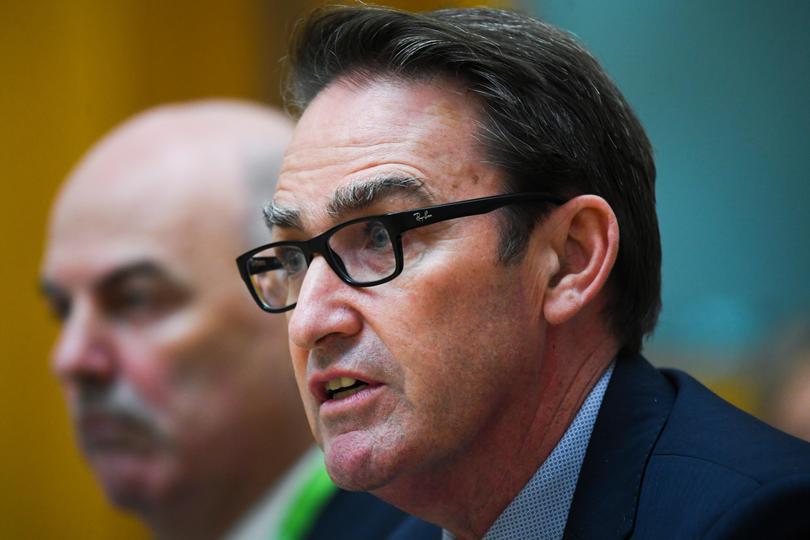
353,132
162,209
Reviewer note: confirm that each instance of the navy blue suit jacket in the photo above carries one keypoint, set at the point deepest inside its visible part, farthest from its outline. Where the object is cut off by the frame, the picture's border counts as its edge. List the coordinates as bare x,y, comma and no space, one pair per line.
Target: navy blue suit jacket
668,459
355,516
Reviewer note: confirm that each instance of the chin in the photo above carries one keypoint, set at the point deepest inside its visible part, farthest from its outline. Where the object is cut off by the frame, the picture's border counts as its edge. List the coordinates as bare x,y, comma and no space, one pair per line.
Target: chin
356,465
132,481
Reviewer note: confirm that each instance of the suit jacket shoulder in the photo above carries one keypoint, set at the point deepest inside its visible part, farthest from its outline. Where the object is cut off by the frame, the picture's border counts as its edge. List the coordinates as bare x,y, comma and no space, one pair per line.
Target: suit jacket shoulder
416,529
355,516
669,459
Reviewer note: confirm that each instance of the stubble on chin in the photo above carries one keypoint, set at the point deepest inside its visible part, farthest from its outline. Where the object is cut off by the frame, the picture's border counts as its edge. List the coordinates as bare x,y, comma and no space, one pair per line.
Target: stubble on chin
353,465
361,451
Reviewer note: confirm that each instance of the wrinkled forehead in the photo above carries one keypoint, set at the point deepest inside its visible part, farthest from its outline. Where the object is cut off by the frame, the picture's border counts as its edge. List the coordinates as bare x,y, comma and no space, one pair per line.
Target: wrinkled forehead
423,134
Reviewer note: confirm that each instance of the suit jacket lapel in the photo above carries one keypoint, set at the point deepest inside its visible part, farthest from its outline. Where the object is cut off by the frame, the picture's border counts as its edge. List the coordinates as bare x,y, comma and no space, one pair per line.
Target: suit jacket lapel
633,412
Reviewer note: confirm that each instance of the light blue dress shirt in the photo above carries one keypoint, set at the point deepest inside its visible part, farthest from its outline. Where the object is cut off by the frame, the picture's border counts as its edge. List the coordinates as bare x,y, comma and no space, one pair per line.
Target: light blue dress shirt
540,510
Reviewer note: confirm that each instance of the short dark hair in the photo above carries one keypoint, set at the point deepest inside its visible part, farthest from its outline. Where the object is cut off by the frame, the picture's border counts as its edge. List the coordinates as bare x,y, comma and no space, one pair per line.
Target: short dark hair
551,120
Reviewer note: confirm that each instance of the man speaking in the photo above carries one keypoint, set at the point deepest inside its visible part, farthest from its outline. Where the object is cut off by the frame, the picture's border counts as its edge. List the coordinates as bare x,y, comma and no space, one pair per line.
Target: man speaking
467,250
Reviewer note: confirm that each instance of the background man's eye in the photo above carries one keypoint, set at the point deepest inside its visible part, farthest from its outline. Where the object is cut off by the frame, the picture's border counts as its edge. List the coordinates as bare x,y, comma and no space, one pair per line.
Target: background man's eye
132,303
59,307
142,302
137,299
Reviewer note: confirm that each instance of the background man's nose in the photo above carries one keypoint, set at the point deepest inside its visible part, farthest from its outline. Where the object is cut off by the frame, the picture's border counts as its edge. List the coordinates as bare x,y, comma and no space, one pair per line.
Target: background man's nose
83,350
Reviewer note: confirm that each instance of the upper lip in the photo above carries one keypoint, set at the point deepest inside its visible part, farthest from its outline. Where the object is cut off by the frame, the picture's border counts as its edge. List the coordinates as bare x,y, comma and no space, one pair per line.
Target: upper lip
317,382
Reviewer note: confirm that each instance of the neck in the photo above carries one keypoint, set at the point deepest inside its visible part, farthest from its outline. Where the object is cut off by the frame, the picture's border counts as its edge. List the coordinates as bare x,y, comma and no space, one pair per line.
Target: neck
207,512
210,510
467,495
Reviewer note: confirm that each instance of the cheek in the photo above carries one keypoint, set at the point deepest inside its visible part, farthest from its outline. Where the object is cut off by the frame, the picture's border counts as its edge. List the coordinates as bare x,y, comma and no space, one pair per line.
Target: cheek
170,357
71,396
299,361
456,336
449,313
145,366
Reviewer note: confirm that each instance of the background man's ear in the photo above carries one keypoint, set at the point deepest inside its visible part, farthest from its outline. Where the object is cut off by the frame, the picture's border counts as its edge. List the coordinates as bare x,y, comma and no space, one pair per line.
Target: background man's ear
585,236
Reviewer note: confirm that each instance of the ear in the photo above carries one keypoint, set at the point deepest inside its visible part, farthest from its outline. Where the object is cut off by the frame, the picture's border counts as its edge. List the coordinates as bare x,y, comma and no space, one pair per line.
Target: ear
584,234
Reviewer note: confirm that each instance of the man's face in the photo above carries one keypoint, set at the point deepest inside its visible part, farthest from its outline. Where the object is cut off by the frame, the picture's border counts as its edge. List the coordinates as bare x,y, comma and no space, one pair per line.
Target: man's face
173,378
449,348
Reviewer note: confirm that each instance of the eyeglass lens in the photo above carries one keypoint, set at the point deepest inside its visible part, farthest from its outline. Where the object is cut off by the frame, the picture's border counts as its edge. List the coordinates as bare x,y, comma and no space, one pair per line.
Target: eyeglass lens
362,251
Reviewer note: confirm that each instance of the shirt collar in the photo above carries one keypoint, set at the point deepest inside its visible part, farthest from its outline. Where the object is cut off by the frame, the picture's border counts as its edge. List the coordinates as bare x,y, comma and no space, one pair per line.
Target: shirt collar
541,508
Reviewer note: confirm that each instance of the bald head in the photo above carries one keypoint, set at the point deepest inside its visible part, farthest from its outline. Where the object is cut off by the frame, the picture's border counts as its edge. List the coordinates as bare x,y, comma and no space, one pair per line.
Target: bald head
180,388
225,154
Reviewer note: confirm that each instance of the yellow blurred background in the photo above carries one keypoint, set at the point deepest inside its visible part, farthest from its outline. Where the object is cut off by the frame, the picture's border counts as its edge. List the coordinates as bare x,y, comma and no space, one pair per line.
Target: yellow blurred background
71,71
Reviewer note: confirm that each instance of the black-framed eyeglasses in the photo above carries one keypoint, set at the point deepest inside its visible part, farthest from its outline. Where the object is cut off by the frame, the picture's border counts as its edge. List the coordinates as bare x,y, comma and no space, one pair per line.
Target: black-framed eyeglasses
363,252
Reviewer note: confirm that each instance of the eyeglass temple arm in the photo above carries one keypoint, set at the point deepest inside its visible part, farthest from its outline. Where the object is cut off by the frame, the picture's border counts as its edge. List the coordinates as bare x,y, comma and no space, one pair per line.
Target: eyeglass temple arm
442,212
259,265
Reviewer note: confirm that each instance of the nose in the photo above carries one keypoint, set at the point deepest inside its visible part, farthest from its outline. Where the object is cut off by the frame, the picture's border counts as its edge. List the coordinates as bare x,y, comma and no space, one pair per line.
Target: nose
83,350
325,308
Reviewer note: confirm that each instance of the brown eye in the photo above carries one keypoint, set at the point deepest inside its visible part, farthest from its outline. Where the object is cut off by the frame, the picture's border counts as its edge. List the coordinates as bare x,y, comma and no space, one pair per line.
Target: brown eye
59,306
57,299
141,300
292,260
138,299
131,301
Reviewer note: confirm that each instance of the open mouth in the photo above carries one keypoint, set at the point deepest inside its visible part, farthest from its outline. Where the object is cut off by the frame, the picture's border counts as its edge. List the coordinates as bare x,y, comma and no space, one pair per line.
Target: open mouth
343,387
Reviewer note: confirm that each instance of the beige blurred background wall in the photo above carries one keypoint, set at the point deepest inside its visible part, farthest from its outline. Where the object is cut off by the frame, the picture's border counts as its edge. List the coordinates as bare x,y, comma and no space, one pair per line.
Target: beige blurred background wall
71,70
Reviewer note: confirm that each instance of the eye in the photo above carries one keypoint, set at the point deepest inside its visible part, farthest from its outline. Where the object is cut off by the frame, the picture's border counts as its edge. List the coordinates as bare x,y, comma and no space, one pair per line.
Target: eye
59,306
377,235
133,302
292,260
141,300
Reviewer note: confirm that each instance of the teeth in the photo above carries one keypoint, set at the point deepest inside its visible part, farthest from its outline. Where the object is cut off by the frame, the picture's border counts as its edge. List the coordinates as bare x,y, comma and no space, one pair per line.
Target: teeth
346,393
341,387
340,382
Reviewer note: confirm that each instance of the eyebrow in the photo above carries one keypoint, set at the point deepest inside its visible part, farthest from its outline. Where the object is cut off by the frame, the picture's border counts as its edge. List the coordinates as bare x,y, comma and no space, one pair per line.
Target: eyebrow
359,196
136,269
351,198
276,215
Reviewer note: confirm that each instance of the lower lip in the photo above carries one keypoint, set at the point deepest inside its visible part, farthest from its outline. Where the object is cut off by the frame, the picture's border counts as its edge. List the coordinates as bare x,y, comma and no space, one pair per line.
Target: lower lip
363,398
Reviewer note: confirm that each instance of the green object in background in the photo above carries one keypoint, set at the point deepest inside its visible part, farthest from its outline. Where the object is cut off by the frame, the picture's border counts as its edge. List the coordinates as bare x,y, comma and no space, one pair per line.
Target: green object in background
307,503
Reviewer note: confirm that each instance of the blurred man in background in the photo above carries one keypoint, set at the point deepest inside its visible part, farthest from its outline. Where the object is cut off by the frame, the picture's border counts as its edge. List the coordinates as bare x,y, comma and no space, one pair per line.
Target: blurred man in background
181,391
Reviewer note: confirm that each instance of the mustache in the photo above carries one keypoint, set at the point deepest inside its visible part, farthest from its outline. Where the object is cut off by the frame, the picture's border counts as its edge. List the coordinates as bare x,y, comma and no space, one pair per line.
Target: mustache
120,404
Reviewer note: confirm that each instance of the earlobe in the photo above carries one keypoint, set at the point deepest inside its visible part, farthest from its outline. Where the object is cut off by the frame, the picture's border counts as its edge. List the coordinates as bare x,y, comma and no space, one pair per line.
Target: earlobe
586,237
